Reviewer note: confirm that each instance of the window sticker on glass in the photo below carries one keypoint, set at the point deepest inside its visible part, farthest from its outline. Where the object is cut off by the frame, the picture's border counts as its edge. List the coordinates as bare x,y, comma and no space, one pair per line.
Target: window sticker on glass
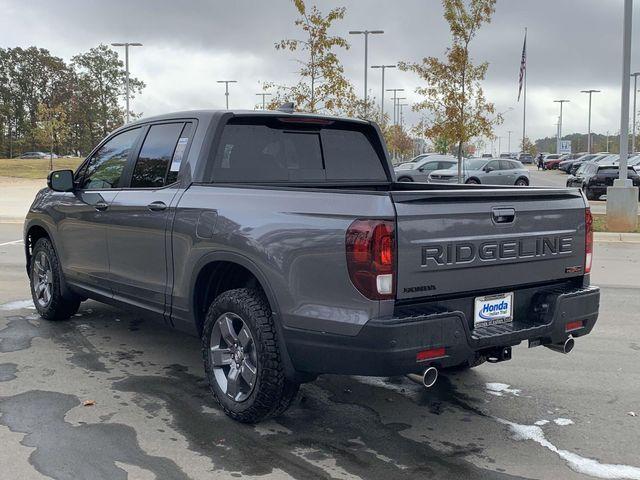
178,154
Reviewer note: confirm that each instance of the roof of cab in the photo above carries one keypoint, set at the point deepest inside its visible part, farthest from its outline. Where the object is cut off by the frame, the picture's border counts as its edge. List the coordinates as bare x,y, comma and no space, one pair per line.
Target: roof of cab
208,114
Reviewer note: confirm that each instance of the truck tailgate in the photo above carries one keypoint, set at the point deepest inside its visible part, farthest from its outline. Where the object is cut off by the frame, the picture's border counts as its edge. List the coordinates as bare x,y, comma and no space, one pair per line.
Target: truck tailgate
488,239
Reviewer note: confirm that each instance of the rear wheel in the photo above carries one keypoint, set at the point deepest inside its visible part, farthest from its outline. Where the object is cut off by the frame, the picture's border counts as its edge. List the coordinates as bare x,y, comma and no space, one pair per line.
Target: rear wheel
242,359
472,181
522,182
45,275
590,194
405,179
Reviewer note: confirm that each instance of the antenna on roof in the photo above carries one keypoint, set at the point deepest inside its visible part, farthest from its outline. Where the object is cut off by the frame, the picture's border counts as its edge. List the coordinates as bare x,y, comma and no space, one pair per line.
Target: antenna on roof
287,107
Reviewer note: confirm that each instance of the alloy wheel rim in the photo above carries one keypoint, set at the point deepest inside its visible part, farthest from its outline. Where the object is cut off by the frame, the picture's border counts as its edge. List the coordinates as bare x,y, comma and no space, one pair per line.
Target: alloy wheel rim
233,356
42,279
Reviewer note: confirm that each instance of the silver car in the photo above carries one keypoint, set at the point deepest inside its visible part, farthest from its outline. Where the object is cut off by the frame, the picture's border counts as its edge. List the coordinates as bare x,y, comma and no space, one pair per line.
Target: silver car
488,171
418,171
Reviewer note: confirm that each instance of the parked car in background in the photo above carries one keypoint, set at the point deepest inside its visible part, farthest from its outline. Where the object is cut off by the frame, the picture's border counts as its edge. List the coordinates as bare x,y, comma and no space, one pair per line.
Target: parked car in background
594,178
37,155
551,161
565,165
487,155
574,167
525,158
419,171
488,171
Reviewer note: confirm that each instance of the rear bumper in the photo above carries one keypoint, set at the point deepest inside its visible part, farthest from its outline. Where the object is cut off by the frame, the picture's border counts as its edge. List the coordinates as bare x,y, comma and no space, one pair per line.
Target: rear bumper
389,346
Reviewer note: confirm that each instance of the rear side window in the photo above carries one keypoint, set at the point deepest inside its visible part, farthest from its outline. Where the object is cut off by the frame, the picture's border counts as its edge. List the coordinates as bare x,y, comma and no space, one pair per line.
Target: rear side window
349,155
156,155
272,151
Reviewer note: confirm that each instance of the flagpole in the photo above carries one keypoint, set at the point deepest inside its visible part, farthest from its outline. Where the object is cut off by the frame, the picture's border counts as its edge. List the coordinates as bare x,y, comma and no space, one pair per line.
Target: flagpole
524,103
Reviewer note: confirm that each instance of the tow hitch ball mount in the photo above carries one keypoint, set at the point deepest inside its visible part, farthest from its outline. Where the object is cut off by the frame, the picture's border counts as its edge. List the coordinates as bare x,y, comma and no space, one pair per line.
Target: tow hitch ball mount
498,354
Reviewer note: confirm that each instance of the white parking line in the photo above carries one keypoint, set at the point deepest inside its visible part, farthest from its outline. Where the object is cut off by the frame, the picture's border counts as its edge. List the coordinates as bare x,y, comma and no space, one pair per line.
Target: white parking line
14,242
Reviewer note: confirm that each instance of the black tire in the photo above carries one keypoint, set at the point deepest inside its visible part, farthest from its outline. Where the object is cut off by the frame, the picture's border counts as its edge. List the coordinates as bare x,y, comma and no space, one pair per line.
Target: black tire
55,306
590,195
405,179
522,182
472,181
272,393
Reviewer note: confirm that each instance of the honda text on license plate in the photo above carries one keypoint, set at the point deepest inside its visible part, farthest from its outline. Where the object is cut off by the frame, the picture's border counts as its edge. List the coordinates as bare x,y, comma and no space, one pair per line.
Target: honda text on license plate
493,309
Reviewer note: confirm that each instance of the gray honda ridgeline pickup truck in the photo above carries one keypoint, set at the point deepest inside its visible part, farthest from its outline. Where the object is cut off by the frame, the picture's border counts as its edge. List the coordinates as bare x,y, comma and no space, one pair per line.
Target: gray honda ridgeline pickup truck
283,241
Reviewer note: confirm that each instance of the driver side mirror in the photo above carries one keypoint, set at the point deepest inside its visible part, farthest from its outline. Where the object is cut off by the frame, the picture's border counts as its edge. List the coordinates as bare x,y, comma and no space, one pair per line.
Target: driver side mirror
60,181
488,169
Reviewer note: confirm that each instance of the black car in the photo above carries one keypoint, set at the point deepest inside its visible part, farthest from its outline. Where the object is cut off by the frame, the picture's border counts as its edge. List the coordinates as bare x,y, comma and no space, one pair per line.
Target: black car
579,162
594,179
566,165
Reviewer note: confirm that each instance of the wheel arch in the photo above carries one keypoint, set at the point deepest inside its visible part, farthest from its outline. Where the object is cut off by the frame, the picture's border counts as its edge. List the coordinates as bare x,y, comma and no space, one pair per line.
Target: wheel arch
33,232
475,179
218,272
522,177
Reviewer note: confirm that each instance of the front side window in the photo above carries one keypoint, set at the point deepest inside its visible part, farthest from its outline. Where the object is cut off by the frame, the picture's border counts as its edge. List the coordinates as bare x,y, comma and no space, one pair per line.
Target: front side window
155,155
494,165
105,168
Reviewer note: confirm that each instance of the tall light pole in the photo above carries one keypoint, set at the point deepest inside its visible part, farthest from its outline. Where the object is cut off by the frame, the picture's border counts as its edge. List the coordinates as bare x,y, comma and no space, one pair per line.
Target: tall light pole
263,95
396,109
383,67
589,122
226,89
400,113
633,134
126,46
395,96
560,124
509,132
366,52
622,197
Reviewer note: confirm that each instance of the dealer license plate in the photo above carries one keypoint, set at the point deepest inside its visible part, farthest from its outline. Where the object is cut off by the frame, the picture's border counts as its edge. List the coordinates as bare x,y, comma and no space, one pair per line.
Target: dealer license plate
493,309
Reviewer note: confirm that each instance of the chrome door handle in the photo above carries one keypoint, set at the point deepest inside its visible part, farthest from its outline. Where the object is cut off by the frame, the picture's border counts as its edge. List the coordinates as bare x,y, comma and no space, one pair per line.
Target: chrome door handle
157,206
101,206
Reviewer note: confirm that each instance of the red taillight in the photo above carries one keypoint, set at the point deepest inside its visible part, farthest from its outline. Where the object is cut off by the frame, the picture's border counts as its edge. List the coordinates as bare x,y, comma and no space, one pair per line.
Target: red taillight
588,240
569,327
371,258
430,354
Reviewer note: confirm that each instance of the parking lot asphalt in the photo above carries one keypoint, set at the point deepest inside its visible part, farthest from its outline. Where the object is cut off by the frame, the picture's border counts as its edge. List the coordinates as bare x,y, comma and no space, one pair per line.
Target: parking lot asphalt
542,415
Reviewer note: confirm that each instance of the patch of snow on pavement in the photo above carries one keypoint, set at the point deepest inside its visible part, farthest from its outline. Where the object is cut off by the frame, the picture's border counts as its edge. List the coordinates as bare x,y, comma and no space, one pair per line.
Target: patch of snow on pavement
541,422
577,463
563,422
18,305
499,389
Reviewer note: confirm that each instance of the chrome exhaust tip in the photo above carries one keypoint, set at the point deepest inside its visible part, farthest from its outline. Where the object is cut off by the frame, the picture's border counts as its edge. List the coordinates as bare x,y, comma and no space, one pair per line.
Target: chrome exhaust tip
429,377
565,347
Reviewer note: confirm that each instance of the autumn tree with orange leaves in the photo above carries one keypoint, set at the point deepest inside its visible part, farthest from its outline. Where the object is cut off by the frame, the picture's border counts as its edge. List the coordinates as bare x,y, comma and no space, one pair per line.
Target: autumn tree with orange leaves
453,93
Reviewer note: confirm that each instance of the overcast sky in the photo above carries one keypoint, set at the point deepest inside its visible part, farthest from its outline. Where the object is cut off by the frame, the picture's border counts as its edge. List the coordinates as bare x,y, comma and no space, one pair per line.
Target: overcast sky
188,45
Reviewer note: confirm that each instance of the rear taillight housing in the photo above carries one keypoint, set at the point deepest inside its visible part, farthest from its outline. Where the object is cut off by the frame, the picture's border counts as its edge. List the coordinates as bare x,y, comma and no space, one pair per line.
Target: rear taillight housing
371,252
588,240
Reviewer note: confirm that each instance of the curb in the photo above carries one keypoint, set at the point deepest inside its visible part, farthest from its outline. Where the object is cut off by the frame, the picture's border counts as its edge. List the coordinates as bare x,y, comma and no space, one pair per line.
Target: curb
616,237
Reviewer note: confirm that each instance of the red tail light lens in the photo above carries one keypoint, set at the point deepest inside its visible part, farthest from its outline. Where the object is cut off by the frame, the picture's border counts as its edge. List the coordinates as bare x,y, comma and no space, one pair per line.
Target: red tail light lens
588,241
371,258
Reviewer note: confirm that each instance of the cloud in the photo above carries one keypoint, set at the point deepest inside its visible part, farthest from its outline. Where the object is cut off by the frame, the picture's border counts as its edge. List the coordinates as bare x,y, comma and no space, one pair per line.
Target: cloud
572,45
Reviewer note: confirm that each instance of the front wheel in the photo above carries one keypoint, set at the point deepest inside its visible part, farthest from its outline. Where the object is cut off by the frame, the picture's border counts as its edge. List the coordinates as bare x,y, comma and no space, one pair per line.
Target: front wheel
45,275
405,179
472,181
522,182
242,359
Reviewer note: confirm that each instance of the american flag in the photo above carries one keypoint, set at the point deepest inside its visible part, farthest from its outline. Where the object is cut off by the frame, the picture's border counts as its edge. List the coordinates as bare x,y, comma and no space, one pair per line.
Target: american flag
523,65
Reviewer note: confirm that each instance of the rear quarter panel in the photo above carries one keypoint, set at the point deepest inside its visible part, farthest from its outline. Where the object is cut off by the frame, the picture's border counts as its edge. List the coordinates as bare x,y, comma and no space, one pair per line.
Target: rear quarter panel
294,238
